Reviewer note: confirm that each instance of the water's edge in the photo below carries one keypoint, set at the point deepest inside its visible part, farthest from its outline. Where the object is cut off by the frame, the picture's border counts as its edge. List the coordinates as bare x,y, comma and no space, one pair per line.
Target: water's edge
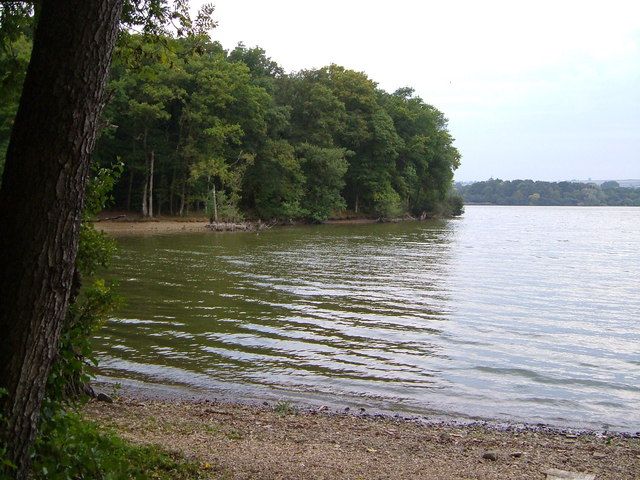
156,392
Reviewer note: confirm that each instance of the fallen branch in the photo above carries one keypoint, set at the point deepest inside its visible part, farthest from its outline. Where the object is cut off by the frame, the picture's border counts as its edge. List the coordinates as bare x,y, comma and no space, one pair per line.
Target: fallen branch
109,218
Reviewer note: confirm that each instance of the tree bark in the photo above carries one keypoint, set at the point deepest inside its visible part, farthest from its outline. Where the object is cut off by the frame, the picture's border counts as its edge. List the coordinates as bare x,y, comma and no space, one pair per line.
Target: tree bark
41,200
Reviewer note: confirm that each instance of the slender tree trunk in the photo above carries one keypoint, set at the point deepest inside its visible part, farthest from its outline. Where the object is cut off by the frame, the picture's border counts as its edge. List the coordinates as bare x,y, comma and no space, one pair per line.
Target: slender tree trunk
152,158
145,202
183,196
215,203
145,208
41,200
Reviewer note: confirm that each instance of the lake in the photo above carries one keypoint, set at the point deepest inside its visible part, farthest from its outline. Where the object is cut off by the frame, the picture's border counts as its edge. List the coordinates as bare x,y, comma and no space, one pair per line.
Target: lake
519,314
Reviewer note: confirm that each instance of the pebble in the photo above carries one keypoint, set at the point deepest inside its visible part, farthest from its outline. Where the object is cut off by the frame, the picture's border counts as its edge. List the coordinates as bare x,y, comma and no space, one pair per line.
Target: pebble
555,474
516,454
490,456
103,397
599,456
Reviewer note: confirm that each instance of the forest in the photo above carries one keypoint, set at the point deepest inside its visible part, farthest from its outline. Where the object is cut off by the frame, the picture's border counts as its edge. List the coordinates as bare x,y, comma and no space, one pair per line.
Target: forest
193,128
529,192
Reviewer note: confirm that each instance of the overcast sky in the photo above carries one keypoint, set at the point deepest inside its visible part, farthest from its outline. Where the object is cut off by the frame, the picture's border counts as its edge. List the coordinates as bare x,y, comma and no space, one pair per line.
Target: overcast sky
548,90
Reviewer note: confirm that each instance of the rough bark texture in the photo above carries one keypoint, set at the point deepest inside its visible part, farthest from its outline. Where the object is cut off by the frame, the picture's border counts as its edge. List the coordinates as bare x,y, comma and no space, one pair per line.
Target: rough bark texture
41,200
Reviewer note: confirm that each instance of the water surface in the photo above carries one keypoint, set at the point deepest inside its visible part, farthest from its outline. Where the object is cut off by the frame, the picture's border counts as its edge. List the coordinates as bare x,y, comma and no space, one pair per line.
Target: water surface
526,314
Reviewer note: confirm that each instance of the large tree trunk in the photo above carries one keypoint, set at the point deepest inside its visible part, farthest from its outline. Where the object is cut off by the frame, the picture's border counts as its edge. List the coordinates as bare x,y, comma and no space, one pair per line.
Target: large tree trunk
41,200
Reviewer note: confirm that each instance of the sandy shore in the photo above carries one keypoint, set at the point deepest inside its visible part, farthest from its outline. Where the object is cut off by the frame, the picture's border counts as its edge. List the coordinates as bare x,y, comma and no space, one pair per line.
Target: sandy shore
151,227
275,441
169,225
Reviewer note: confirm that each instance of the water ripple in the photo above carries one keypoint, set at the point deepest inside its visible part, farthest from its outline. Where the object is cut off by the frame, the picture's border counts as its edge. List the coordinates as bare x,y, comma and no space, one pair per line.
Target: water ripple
524,314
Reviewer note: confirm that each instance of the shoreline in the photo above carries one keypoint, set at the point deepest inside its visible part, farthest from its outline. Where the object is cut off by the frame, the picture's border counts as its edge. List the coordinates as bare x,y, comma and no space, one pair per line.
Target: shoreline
151,226
277,440
171,225
166,393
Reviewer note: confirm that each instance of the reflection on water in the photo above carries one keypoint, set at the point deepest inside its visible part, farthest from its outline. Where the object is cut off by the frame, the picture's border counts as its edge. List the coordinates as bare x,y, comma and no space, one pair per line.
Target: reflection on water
517,313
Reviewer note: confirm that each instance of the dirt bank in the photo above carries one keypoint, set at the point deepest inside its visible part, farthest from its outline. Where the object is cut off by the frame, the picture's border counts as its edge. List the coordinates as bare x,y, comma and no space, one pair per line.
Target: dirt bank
276,442
122,224
150,227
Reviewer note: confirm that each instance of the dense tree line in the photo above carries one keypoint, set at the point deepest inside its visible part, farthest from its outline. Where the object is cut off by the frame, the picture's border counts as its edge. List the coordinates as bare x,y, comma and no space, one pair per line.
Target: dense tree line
231,134
528,192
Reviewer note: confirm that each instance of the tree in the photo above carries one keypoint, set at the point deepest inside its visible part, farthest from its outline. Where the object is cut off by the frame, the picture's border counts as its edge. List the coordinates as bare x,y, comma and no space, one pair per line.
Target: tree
15,46
275,182
41,200
426,156
324,169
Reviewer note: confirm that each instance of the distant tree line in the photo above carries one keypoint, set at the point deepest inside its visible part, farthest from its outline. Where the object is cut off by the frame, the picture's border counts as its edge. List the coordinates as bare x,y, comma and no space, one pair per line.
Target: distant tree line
528,192
229,133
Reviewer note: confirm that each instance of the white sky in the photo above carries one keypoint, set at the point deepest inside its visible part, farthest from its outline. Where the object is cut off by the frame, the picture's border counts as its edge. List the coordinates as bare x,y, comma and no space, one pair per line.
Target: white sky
548,90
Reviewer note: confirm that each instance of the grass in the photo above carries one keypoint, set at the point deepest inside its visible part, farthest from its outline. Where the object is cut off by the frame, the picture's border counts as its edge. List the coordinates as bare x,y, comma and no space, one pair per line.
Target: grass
75,448
283,408
234,434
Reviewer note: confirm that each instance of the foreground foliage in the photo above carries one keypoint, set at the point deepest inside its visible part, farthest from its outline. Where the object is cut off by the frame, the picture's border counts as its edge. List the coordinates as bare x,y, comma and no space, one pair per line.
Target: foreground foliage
70,447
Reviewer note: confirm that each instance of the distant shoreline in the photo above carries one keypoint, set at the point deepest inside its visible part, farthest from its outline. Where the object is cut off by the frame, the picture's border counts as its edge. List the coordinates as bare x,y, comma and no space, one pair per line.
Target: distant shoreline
540,193
481,204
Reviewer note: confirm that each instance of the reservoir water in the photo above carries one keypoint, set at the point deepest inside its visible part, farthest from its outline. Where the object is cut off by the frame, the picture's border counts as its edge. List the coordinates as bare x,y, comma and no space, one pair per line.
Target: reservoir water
521,314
